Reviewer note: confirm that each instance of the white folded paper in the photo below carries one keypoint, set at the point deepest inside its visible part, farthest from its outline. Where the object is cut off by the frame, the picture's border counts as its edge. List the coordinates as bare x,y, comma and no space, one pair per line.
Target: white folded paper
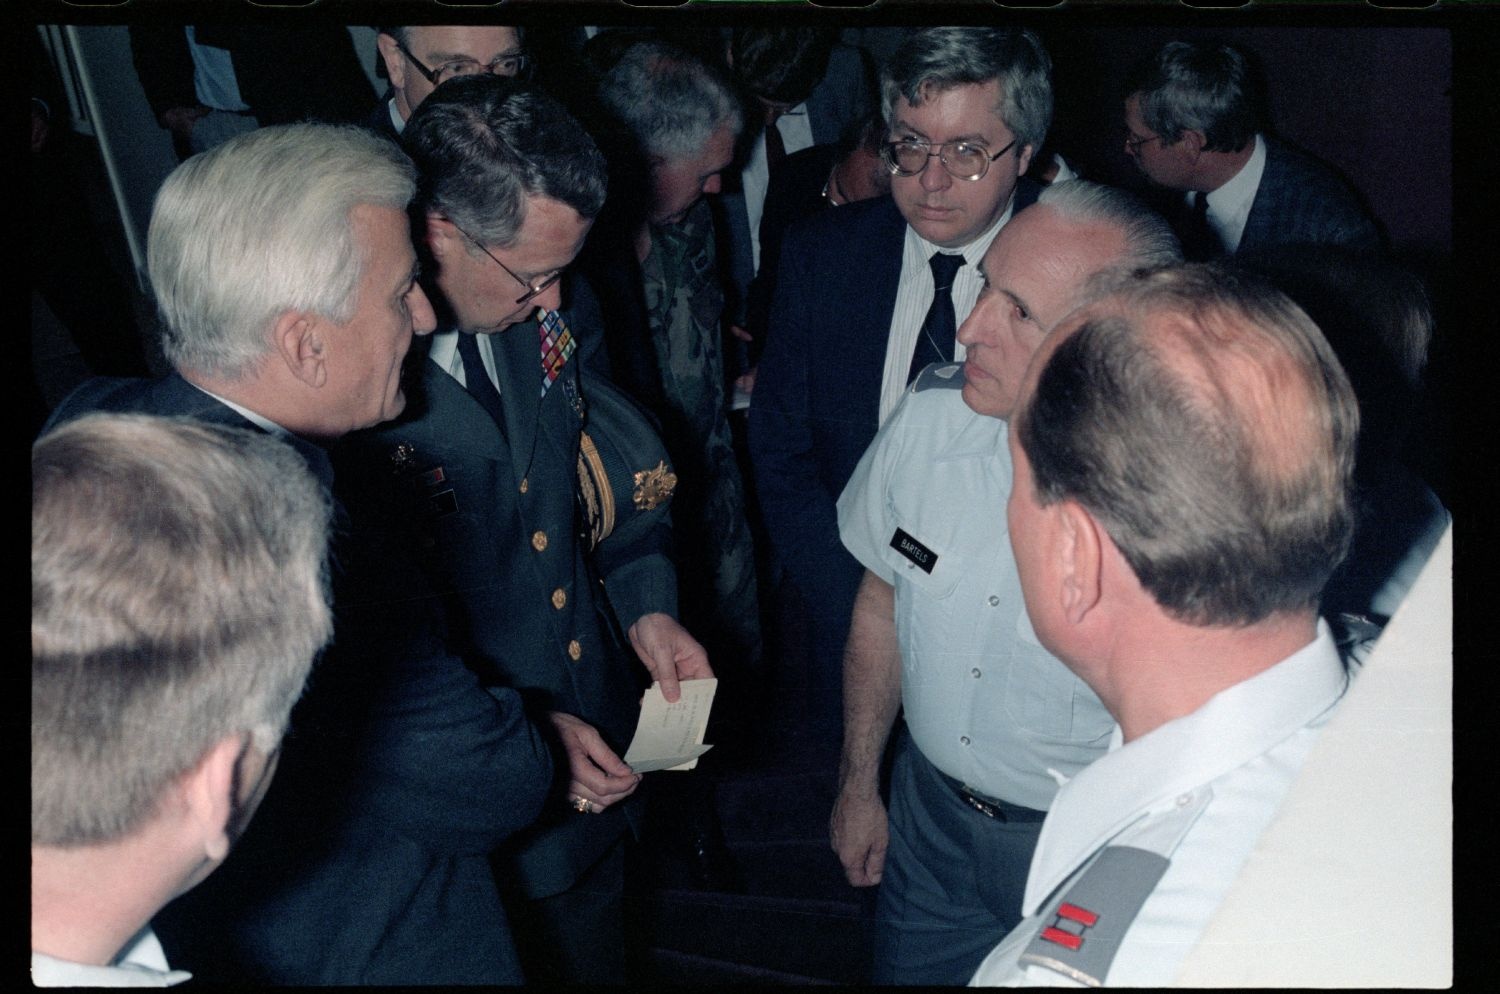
670,736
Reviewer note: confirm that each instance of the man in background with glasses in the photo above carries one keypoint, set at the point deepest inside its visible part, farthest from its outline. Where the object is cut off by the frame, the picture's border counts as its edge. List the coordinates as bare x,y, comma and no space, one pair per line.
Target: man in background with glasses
870,294
418,59
1192,120
535,496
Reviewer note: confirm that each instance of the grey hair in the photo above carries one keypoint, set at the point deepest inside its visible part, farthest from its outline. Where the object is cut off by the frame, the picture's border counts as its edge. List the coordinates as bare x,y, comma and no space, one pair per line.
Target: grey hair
671,101
938,59
1149,241
485,145
1198,87
179,593
262,225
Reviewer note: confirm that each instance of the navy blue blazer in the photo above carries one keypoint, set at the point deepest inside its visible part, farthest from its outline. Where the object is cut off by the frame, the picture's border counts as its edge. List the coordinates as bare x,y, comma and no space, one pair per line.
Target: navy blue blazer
367,862
1302,201
816,405
491,516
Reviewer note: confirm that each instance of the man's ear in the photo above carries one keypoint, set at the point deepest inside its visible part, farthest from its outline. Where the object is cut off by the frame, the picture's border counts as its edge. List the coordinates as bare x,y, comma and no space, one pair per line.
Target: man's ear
395,65
301,343
1023,159
209,793
442,236
1193,140
1080,554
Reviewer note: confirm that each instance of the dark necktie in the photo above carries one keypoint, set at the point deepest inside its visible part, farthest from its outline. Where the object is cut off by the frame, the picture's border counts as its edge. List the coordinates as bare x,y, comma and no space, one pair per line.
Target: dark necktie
775,147
935,340
478,382
1200,242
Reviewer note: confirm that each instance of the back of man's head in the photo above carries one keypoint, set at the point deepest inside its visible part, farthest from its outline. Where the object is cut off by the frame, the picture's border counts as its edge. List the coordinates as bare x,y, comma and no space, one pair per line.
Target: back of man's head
936,59
261,225
781,64
178,596
671,101
1199,87
484,145
1203,420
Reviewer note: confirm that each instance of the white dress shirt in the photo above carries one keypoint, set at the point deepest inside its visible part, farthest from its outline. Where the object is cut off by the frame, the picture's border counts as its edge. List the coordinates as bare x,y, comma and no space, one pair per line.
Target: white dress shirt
444,352
755,178
142,964
1229,205
1167,821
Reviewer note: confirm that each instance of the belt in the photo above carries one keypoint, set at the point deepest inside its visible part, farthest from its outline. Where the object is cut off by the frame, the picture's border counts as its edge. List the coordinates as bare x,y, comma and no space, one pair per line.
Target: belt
989,806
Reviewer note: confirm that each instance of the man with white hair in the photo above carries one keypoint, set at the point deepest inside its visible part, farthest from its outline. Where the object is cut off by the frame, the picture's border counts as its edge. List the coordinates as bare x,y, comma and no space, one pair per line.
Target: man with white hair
992,719
286,279
1187,419
169,640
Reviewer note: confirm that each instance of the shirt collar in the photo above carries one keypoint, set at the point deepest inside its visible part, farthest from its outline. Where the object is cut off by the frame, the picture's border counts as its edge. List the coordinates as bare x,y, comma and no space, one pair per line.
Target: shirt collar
143,963
1235,196
1233,727
396,121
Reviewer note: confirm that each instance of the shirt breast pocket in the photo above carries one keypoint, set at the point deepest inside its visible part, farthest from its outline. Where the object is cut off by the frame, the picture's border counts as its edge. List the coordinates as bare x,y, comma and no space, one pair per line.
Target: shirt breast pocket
932,621
1043,696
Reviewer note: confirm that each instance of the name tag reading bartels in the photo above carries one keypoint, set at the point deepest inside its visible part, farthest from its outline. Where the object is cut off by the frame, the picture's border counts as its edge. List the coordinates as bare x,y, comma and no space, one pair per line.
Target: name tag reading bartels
914,550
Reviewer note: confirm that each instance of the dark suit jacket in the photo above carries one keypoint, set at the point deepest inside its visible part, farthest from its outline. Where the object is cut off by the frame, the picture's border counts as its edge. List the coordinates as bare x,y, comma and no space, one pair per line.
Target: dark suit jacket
367,862
1301,201
841,99
493,515
816,404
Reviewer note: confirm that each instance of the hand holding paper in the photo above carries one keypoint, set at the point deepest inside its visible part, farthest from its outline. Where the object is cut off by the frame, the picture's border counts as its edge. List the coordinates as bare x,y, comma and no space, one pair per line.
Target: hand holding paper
670,736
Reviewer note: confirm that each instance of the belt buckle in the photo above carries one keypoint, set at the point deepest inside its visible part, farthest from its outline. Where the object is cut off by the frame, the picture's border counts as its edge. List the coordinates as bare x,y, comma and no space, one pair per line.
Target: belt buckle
979,804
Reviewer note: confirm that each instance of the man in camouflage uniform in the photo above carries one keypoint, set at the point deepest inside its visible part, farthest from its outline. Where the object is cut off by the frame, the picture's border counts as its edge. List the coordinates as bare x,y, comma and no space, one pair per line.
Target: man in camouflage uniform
674,247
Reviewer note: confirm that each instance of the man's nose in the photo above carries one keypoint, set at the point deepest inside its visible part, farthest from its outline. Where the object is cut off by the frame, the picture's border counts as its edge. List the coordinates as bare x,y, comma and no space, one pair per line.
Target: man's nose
935,175
975,330
423,320
550,299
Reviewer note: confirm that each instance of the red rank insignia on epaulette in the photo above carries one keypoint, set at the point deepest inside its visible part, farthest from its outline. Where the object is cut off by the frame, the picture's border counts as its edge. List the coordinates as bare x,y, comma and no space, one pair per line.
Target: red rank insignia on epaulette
1068,927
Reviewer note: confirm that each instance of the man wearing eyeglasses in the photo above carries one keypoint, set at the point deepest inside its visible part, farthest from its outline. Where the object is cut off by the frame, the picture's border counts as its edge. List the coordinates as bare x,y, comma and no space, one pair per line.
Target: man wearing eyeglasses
1191,124
535,495
869,294
418,59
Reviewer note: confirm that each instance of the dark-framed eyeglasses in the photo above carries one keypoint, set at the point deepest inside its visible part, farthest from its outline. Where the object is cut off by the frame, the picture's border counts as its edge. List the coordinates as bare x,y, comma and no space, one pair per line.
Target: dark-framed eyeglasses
534,288
1134,143
504,65
963,160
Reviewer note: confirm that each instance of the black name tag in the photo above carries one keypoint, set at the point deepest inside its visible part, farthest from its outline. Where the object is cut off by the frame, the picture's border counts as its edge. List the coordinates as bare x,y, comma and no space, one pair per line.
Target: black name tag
914,550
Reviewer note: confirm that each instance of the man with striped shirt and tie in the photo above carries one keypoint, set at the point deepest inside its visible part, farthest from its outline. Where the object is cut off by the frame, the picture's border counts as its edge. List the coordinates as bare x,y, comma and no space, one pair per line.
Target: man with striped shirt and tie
532,489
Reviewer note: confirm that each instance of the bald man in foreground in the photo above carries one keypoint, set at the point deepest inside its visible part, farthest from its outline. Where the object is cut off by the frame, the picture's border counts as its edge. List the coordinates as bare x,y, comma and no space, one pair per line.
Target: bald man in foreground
1189,420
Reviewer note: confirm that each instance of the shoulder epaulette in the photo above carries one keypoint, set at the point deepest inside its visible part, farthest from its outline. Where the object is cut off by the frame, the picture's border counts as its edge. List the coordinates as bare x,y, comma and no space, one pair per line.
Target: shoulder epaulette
939,376
1084,926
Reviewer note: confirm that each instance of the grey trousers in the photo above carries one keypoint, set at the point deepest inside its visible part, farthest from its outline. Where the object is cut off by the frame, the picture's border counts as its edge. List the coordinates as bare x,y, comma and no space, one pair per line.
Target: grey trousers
954,878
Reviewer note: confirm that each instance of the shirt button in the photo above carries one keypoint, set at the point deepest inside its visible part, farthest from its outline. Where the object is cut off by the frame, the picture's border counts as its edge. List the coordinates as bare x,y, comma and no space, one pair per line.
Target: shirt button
994,601
975,672
539,541
1184,800
964,739
575,651
559,598
525,485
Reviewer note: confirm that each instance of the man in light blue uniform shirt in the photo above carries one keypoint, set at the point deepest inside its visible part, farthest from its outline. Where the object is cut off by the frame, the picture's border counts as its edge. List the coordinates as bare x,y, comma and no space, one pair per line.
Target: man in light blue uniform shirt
1188,419
995,722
